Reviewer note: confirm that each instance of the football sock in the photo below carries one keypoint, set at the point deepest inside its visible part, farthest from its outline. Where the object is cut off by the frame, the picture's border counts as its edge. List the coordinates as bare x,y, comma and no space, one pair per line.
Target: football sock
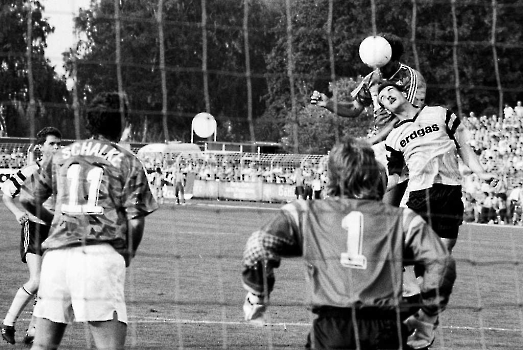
22,297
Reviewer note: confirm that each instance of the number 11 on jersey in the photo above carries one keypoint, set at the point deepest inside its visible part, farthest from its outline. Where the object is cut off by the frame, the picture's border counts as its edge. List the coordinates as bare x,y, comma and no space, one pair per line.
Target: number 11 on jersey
353,258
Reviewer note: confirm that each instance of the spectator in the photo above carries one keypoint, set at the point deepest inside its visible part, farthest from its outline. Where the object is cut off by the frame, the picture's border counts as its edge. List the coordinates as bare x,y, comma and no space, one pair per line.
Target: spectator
317,186
518,110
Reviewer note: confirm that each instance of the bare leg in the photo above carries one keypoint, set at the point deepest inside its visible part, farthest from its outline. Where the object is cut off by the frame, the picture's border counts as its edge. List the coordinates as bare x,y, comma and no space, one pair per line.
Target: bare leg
48,334
34,263
109,335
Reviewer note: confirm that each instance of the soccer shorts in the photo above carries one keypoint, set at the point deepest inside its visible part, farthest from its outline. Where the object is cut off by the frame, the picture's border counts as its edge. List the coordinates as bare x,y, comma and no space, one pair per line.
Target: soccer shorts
441,206
84,283
32,235
377,329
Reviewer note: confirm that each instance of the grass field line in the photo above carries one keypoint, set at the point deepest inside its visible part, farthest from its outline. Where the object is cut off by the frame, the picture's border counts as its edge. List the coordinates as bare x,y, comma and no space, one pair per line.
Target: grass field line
234,206
285,324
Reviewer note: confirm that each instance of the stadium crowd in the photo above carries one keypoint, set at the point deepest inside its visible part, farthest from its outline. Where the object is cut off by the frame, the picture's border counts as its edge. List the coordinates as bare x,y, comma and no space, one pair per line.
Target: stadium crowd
498,141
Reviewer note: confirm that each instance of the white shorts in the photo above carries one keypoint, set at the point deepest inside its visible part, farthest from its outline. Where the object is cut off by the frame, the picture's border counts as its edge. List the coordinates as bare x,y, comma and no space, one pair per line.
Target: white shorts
84,283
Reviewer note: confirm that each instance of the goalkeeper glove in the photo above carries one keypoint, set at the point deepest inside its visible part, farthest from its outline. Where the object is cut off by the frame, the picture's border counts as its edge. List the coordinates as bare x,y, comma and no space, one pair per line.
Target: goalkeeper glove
424,327
317,98
254,308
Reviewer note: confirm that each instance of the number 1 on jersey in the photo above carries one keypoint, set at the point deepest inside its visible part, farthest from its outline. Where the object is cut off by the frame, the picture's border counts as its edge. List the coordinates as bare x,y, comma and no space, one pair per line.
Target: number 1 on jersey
353,258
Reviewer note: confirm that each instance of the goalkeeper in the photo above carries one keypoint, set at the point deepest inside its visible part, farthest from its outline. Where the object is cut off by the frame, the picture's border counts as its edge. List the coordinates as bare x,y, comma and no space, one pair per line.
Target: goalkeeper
355,247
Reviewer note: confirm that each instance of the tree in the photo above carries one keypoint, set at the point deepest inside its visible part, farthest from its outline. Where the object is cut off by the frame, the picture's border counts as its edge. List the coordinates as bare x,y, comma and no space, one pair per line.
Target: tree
184,54
30,95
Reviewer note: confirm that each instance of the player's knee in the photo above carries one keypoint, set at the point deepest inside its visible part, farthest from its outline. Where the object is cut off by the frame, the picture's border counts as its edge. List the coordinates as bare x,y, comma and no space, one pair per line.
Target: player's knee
31,286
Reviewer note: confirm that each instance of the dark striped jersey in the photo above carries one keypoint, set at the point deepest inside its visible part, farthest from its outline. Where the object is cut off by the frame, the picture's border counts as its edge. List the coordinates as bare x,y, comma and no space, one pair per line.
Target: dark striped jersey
412,82
354,252
99,185
26,177
426,144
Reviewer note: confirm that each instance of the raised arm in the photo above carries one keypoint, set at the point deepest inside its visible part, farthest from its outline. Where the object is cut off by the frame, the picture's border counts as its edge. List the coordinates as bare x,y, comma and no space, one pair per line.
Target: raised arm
350,109
468,155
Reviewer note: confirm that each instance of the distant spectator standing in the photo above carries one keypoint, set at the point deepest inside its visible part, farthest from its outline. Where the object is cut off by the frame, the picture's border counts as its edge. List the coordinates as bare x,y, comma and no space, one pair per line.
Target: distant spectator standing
518,110
508,111
316,186
179,189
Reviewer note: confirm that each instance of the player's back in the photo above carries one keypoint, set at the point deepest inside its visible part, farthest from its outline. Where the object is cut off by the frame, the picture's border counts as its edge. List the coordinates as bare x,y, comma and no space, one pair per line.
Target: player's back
353,251
95,182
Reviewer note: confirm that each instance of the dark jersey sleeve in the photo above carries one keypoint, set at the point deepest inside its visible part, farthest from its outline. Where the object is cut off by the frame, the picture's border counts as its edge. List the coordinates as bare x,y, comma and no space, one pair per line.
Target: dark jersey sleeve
395,160
264,250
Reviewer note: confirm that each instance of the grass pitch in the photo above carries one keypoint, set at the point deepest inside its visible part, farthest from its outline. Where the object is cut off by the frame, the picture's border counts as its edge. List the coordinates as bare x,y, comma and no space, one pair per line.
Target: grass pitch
184,287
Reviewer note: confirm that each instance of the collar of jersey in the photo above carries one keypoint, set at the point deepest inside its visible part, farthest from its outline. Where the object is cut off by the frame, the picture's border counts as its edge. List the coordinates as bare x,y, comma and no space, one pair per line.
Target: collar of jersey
401,122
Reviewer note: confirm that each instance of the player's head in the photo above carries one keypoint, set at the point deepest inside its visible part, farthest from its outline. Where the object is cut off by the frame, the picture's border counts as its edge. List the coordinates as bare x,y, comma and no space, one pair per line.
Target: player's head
391,96
354,171
104,117
48,140
395,44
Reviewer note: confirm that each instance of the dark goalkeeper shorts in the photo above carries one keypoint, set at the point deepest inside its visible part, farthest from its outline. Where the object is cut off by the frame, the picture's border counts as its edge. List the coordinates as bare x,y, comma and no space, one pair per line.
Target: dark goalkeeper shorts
32,236
441,206
377,329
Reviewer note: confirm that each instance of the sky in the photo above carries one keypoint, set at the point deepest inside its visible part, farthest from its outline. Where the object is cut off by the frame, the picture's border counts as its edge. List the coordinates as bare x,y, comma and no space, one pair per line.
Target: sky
60,15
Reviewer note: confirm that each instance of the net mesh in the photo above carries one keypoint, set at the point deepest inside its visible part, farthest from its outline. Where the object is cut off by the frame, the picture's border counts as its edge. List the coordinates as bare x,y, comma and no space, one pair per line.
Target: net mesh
172,86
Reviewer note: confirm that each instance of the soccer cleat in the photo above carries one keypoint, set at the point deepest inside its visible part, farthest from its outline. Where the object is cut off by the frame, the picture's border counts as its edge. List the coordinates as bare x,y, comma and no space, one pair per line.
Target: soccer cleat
423,335
8,333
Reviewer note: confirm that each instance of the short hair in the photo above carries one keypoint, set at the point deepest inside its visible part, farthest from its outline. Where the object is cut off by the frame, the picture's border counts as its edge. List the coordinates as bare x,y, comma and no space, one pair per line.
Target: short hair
354,172
41,136
103,116
396,45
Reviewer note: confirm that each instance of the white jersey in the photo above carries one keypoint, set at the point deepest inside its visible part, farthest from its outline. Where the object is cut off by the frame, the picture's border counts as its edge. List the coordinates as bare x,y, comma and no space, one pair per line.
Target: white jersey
427,146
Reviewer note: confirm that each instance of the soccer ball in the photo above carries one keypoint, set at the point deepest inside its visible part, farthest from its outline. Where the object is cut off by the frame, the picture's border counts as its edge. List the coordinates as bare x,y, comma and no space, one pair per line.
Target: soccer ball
375,51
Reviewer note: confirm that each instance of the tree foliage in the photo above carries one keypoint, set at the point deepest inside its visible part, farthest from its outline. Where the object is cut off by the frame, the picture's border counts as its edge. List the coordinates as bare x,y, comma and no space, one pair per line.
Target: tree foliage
225,55
49,92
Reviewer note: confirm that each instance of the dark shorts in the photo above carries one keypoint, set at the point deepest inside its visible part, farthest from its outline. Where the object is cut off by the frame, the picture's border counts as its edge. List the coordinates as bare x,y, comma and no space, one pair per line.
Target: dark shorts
377,329
441,206
31,238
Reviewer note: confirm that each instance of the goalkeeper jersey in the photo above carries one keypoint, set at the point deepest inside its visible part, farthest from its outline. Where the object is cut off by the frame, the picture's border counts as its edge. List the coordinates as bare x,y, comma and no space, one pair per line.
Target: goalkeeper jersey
99,186
354,252
427,146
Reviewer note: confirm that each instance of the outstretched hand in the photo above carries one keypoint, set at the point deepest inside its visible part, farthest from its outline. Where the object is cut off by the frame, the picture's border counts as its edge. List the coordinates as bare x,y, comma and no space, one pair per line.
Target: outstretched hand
319,99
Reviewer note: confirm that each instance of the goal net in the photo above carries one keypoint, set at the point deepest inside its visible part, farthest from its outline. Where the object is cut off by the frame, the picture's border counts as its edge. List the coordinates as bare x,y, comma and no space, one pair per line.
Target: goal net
253,65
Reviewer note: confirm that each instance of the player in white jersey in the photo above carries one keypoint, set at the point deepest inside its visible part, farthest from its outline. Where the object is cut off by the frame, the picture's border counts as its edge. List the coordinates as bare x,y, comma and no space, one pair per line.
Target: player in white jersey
365,94
428,141
33,232
355,248
102,198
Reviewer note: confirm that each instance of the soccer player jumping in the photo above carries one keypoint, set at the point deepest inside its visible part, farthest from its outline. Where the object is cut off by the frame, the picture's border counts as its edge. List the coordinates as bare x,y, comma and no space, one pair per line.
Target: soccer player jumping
428,141
355,247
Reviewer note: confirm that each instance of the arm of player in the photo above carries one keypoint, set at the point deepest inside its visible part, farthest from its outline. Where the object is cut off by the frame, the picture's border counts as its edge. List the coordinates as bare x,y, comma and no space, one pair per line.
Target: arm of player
263,252
350,109
135,229
383,133
28,202
468,155
20,215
